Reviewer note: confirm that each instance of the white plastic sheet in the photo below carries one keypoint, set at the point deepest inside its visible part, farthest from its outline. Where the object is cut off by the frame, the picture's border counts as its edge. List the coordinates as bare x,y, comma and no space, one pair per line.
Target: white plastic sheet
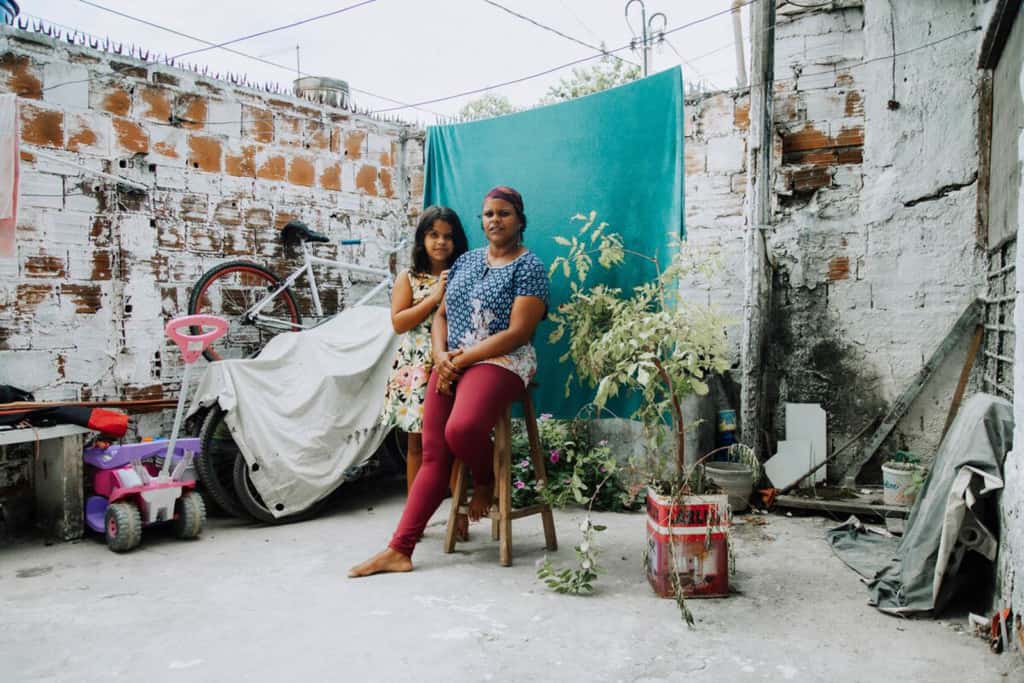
307,409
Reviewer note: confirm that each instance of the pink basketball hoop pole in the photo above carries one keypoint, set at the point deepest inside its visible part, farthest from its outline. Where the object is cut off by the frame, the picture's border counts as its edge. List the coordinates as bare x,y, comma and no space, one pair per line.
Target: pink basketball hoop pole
192,347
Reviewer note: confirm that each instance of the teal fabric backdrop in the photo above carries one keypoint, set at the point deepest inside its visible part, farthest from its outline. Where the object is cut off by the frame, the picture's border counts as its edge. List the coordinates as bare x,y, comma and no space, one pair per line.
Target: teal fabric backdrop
617,152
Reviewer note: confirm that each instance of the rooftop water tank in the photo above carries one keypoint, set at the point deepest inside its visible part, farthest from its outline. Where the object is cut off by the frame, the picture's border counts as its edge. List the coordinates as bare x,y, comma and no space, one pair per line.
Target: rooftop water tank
330,91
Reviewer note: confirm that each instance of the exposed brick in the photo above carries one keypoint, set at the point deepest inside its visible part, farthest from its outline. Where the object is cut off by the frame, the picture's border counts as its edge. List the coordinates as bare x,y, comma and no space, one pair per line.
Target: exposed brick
194,208
853,155
130,136
839,268
169,143
850,137
810,179
318,135
191,109
330,177
170,234
204,238
44,127
30,296
354,144
166,79
258,217
366,179
301,171
205,153
818,157
238,241
741,117
258,124
87,298
115,100
45,266
385,182
242,164
139,393
288,130
88,132
272,168
130,70
854,104
807,138
227,212
22,76
155,103
102,265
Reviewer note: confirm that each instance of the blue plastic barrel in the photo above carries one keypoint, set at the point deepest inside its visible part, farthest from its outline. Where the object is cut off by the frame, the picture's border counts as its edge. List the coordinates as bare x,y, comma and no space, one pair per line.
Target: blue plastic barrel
8,10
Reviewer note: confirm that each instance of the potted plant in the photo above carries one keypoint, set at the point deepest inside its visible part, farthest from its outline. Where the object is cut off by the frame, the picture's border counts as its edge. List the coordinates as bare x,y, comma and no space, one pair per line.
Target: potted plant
735,475
655,343
902,478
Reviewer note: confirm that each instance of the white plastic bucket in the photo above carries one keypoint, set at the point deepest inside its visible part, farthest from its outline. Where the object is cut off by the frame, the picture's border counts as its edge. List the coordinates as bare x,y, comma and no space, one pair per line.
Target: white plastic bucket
895,481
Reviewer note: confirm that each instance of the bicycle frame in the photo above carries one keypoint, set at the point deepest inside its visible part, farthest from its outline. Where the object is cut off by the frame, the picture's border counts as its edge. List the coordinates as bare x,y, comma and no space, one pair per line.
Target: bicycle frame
255,316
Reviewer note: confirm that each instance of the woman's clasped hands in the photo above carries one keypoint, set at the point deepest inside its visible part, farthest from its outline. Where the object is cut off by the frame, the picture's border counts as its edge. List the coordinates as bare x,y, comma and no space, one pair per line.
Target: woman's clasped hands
448,370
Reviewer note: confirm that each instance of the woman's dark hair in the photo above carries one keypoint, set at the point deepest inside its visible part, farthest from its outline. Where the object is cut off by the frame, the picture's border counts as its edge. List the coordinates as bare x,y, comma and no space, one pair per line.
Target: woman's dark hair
420,258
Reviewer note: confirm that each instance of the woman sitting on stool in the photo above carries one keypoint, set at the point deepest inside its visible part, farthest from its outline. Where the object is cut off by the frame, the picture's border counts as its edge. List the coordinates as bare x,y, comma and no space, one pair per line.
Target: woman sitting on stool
483,360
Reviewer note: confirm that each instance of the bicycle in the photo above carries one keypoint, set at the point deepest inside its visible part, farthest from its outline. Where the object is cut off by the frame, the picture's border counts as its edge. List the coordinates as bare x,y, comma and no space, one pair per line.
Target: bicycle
258,305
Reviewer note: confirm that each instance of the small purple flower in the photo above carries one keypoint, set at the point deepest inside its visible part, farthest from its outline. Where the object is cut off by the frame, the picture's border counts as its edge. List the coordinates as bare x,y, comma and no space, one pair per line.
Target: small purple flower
524,463
520,485
546,416
555,456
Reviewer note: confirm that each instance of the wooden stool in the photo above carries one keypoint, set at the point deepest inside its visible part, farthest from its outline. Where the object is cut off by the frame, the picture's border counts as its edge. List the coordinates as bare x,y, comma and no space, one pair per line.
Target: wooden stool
501,513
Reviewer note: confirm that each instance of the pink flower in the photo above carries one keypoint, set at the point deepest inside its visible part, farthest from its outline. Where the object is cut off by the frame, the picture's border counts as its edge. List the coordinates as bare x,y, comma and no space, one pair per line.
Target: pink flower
524,463
546,416
520,485
555,456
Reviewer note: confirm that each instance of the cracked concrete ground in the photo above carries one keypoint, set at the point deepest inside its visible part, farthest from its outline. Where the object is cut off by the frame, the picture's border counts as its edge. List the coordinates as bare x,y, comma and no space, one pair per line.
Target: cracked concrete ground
272,604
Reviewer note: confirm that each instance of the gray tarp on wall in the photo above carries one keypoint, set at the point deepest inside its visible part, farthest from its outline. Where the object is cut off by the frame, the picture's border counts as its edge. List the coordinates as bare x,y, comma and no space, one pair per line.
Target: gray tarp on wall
954,513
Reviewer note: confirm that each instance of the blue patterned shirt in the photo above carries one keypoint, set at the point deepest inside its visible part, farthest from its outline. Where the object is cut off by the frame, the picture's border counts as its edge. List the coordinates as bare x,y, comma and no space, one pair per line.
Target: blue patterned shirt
478,303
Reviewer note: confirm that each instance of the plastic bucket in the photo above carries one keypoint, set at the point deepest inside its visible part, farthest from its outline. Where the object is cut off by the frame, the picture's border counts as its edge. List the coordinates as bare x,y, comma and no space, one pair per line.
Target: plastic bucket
735,480
895,481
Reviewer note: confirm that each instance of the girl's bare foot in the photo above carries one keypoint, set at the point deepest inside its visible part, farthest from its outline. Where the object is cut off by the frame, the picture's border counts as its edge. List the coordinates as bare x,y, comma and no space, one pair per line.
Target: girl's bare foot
388,560
480,503
462,528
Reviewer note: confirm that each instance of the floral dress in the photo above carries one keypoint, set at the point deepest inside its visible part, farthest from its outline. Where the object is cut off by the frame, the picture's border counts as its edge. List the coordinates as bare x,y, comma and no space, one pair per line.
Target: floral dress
403,400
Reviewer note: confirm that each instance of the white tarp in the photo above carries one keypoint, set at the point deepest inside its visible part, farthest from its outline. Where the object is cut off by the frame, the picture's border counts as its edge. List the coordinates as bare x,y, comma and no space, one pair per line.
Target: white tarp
307,408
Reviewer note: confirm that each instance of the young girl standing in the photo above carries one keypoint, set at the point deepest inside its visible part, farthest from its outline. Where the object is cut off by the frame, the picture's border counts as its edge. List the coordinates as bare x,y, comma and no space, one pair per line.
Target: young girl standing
418,292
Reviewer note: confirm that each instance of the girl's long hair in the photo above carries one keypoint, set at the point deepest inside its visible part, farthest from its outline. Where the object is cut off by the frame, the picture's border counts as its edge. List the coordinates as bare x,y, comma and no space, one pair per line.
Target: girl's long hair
420,258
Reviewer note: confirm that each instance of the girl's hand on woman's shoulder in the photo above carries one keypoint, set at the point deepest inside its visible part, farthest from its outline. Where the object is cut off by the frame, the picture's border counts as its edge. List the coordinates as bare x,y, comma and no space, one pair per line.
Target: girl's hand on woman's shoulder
437,292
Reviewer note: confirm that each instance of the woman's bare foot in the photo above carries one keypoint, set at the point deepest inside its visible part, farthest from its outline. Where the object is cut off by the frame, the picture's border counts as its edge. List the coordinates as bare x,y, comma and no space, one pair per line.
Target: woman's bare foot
388,560
480,503
462,528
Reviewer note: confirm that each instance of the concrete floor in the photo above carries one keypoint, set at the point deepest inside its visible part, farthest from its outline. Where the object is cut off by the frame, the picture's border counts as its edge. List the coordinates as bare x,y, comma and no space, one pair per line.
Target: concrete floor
273,604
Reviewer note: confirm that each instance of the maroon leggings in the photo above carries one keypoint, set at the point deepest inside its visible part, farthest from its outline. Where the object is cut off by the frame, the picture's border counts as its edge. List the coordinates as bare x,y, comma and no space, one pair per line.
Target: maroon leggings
458,425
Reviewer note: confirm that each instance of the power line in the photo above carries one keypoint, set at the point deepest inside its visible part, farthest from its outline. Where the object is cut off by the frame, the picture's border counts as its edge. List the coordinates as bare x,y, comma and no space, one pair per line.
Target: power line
563,66
536,23
279,28
684,61
214,45
578,20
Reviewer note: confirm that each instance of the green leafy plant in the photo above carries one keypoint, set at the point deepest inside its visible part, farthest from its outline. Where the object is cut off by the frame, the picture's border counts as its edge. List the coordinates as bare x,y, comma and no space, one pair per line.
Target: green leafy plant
650,340
578,580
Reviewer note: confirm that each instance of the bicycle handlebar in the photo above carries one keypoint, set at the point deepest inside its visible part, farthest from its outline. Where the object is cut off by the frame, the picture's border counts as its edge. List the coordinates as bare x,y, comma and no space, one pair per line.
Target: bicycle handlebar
386,247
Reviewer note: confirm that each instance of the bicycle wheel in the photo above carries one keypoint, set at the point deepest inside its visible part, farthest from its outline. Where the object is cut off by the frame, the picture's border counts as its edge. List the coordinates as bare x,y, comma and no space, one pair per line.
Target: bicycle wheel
216,462
250,498
230,290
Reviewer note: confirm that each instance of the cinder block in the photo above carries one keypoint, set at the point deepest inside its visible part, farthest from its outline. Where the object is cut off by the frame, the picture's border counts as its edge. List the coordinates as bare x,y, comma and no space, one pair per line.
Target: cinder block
224,118
88,133
41,190
66,85
726,154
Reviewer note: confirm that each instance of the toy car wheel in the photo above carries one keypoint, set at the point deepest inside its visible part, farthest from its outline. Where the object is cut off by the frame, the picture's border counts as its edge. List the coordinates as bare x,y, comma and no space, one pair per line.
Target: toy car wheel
190,515
123,527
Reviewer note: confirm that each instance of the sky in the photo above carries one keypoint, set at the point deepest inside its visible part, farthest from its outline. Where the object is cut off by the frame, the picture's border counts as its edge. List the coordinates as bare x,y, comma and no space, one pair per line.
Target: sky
412,50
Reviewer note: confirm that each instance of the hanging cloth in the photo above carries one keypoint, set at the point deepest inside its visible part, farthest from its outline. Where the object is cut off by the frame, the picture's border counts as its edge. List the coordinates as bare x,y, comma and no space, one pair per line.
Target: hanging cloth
10,141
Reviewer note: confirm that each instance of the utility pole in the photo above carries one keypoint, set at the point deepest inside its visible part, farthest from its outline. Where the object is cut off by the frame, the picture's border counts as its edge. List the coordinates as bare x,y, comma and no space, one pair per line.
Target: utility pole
648,36
758,210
